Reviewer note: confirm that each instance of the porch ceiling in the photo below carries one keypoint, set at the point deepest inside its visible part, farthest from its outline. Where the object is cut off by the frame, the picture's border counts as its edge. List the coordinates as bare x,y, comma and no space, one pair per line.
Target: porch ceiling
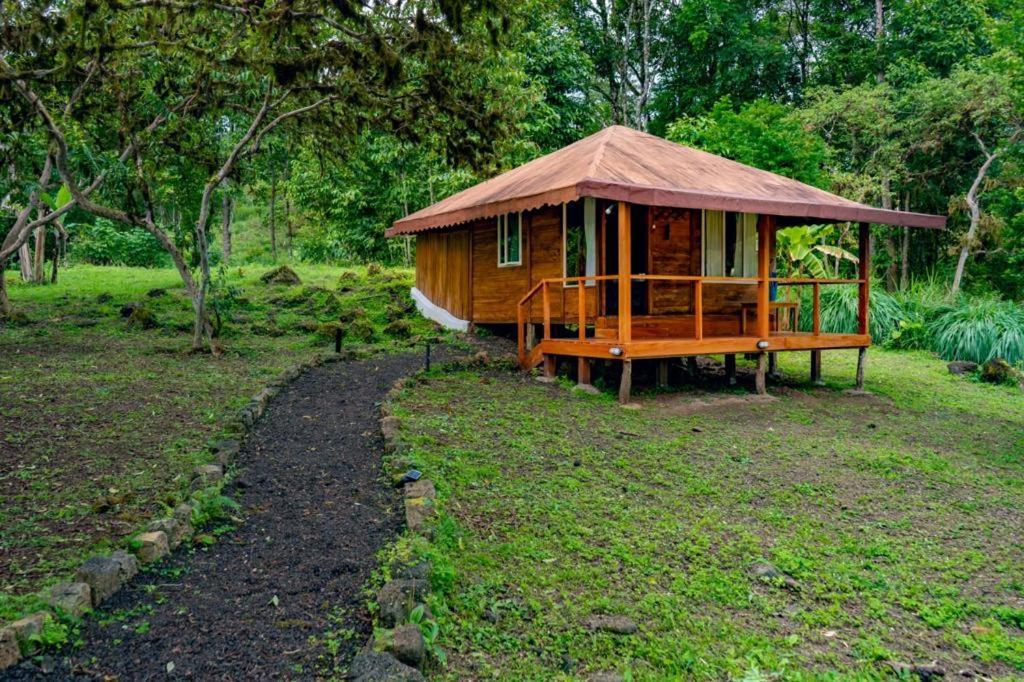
622,164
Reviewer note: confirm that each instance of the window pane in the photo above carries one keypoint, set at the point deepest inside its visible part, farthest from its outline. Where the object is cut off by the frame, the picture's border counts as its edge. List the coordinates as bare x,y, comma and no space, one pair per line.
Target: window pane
749,244
575,240
512,237
731,245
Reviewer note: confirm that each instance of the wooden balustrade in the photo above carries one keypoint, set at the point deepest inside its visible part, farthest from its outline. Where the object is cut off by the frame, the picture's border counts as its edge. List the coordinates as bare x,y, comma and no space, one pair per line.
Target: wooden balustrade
544,288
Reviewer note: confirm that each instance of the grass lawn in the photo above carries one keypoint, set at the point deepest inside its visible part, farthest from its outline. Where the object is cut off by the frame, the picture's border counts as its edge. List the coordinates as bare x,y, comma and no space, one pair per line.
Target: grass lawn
102,423
900,517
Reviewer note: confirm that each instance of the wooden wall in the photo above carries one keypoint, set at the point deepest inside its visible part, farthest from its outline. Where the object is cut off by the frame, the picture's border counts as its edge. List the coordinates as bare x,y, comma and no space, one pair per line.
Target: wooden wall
443,270
674,242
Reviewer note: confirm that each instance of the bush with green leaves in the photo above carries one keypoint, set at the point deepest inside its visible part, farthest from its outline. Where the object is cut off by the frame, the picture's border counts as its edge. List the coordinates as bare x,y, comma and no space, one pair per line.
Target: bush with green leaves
839,311
108,243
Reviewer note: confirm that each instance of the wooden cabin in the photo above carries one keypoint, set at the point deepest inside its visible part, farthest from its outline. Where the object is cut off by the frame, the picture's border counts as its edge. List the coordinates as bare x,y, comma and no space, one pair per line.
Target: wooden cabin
625,246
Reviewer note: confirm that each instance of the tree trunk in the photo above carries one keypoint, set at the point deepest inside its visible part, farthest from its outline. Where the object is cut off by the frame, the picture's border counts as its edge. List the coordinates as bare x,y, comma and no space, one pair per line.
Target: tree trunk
288,227
273,217
879,35
5,302
39,256
226,206
25,262
975,210
56,255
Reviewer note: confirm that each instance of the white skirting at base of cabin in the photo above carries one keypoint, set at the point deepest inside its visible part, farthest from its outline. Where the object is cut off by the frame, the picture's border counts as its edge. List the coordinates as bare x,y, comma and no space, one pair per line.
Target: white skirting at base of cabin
432,311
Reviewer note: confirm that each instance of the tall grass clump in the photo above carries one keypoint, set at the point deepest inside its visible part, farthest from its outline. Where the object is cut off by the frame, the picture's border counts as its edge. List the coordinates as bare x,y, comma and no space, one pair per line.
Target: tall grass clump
980,330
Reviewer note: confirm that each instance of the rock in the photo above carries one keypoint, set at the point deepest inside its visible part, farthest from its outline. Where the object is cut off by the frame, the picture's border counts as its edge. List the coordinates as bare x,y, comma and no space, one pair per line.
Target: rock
28,627
152,546
398,598
72,598
617,625
389,427
767,573
209,473
226,450
10,653
417,571
544,379
589,389
183,514
421,488
407,644
419,511
106,574
924,672
175,531
961,367
997,371
280,275
377,666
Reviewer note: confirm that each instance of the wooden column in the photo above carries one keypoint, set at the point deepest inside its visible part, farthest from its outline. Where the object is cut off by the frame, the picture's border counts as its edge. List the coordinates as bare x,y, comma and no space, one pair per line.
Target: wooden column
864,274
759,378
862,358
583,372
816,368
691,365
730,369
550,366
626,384
662,373
764,231
773,365
625,281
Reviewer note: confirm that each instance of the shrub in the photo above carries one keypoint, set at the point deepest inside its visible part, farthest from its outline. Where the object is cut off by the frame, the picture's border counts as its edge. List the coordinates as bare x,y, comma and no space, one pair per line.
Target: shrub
108,243
981,330
839,311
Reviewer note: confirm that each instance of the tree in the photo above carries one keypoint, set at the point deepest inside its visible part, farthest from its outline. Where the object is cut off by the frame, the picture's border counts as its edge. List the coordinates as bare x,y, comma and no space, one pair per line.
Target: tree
149,106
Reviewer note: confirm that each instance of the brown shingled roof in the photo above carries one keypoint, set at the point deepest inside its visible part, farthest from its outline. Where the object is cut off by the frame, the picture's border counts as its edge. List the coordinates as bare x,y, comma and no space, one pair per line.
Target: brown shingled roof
622,164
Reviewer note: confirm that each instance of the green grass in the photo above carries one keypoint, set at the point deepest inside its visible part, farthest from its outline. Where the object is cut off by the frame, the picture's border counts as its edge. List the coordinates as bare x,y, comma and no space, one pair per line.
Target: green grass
900,516
101,424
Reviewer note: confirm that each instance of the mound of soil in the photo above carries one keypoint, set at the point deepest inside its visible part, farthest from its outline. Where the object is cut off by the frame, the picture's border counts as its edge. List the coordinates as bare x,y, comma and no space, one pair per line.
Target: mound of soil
280,275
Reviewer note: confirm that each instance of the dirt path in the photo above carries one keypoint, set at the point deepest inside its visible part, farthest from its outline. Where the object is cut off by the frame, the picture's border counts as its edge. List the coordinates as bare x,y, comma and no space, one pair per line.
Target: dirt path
316,514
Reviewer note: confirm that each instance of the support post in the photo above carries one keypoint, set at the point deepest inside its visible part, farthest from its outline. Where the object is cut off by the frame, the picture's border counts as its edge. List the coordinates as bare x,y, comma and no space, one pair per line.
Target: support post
759,377
626,383
662,373
816,368
773,365
862,359
583,372
864,274
546,295
730,369
625,277
531,336
698,310
816,313
764,231
549,366
692,366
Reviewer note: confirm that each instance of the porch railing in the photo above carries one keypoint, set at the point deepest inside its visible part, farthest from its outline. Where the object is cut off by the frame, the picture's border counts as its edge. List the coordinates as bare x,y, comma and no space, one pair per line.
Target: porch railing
543,287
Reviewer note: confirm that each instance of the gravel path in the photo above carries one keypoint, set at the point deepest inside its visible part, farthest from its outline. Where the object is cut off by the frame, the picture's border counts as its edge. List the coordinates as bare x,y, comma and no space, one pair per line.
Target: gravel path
247,606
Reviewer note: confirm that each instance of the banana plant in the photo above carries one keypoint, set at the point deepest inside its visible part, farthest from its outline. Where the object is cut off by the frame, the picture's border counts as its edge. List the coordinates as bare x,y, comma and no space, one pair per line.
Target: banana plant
800,247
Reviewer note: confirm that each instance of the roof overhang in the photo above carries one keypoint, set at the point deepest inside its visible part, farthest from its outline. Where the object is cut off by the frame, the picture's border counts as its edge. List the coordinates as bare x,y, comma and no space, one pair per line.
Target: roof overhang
795,212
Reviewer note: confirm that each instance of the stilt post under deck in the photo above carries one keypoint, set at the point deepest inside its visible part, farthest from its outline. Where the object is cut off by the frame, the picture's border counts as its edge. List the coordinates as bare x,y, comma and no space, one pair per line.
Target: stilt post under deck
583,372
759,377
662,373
550,366
625,275
816,368
626,383
862,358
730,369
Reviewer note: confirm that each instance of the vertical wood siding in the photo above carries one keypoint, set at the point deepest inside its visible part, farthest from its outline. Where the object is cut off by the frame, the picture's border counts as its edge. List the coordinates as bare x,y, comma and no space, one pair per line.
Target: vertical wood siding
443,270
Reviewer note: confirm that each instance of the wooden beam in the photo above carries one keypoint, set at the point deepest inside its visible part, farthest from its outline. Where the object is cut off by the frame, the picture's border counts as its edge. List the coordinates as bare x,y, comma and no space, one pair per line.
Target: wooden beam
862,359
662,373
864,252
625,272
626,383
546,295
765,225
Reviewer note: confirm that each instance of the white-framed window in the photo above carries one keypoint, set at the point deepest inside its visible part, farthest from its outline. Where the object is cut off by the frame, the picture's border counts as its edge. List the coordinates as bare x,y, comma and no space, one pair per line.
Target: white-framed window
510,239
729,244
579,239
